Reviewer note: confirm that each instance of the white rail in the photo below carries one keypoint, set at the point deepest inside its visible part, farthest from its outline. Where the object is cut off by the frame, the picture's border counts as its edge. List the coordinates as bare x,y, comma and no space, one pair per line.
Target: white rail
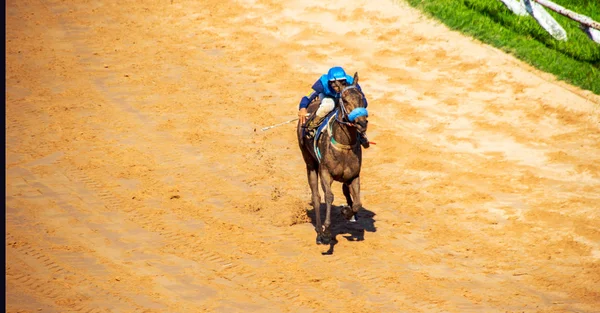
535,8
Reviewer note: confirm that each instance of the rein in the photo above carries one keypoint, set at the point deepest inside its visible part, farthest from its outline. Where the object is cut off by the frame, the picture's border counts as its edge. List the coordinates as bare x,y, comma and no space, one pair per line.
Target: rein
344,112
345,115
334,142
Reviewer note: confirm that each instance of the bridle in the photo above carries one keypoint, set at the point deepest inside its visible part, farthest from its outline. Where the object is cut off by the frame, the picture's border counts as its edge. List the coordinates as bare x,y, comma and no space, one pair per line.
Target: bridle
345,119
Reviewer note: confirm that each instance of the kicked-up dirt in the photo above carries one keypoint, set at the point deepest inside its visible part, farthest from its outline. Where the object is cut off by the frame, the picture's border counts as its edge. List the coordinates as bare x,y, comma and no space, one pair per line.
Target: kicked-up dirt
138,178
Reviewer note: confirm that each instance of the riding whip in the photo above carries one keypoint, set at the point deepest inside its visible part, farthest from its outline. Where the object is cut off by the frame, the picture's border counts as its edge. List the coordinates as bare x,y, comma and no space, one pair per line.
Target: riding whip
276,125
286,122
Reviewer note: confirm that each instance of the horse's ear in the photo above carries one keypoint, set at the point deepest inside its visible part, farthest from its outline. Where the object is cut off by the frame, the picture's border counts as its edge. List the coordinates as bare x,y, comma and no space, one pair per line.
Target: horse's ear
355,82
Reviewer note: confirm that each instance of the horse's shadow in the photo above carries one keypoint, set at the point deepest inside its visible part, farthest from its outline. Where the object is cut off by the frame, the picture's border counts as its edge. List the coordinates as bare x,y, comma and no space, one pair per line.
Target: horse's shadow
351,231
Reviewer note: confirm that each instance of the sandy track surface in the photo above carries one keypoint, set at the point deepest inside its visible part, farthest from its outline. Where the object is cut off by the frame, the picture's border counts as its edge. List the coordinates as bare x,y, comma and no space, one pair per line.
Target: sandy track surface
138,180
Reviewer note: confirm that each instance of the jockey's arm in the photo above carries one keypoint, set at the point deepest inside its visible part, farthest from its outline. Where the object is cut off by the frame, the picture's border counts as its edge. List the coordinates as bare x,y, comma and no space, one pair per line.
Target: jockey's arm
306,100
317,88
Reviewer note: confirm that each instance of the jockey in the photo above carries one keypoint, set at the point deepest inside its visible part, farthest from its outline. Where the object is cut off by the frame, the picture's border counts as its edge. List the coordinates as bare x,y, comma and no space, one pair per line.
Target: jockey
328,94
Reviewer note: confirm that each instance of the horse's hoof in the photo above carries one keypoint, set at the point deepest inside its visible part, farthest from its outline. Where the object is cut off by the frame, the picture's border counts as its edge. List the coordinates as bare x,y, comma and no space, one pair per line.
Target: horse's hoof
323,240
347,213
320,240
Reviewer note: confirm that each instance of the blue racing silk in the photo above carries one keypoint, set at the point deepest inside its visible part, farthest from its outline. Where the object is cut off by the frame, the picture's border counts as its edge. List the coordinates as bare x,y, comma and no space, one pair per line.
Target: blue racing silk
321,86
325,83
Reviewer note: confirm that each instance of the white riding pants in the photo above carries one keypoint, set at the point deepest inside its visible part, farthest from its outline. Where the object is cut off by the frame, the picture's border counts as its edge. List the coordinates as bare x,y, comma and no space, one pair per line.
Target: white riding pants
326,106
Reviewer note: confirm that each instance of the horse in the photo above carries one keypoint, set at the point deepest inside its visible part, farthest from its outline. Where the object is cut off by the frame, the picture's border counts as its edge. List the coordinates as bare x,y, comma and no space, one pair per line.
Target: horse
336,156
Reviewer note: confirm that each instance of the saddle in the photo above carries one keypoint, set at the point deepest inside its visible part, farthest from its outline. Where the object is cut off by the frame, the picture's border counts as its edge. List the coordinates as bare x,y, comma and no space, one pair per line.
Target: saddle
319,131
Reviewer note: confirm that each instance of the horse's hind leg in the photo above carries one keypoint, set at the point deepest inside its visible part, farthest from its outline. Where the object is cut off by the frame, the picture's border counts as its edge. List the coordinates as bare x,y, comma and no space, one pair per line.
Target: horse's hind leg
355,192
346,210
326,181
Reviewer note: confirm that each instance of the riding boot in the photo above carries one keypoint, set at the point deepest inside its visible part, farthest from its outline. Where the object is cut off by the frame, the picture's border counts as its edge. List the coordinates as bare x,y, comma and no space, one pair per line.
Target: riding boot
312,124
308,131
364,141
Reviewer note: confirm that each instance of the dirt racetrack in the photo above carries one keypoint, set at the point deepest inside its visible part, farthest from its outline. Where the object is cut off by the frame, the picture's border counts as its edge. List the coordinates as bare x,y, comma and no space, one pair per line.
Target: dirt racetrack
138,179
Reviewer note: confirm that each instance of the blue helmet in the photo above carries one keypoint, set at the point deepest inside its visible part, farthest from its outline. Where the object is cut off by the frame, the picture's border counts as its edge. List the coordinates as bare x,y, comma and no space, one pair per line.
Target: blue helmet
336,73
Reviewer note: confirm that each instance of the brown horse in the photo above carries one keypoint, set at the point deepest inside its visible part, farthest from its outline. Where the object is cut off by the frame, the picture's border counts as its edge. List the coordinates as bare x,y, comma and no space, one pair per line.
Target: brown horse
340,156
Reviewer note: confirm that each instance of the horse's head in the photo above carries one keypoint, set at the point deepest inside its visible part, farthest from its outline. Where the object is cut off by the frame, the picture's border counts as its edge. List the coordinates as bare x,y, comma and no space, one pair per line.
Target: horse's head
353,111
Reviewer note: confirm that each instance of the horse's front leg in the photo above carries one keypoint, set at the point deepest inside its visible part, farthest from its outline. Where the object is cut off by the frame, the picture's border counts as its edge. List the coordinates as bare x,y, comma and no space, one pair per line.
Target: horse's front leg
326,181
355,192
347,209
313,182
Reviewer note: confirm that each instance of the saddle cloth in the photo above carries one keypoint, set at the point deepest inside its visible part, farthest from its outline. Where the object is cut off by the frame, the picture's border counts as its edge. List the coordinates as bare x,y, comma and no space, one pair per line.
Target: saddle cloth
319,132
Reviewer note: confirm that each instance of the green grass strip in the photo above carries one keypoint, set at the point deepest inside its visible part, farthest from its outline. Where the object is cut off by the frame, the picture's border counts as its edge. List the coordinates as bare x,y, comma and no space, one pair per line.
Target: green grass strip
576,61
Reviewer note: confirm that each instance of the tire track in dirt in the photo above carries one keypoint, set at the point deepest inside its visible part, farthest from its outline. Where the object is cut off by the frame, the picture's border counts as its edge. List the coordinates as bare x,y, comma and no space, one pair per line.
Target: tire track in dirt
96,232
76,219
18,128
18,277
47,269
170,234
